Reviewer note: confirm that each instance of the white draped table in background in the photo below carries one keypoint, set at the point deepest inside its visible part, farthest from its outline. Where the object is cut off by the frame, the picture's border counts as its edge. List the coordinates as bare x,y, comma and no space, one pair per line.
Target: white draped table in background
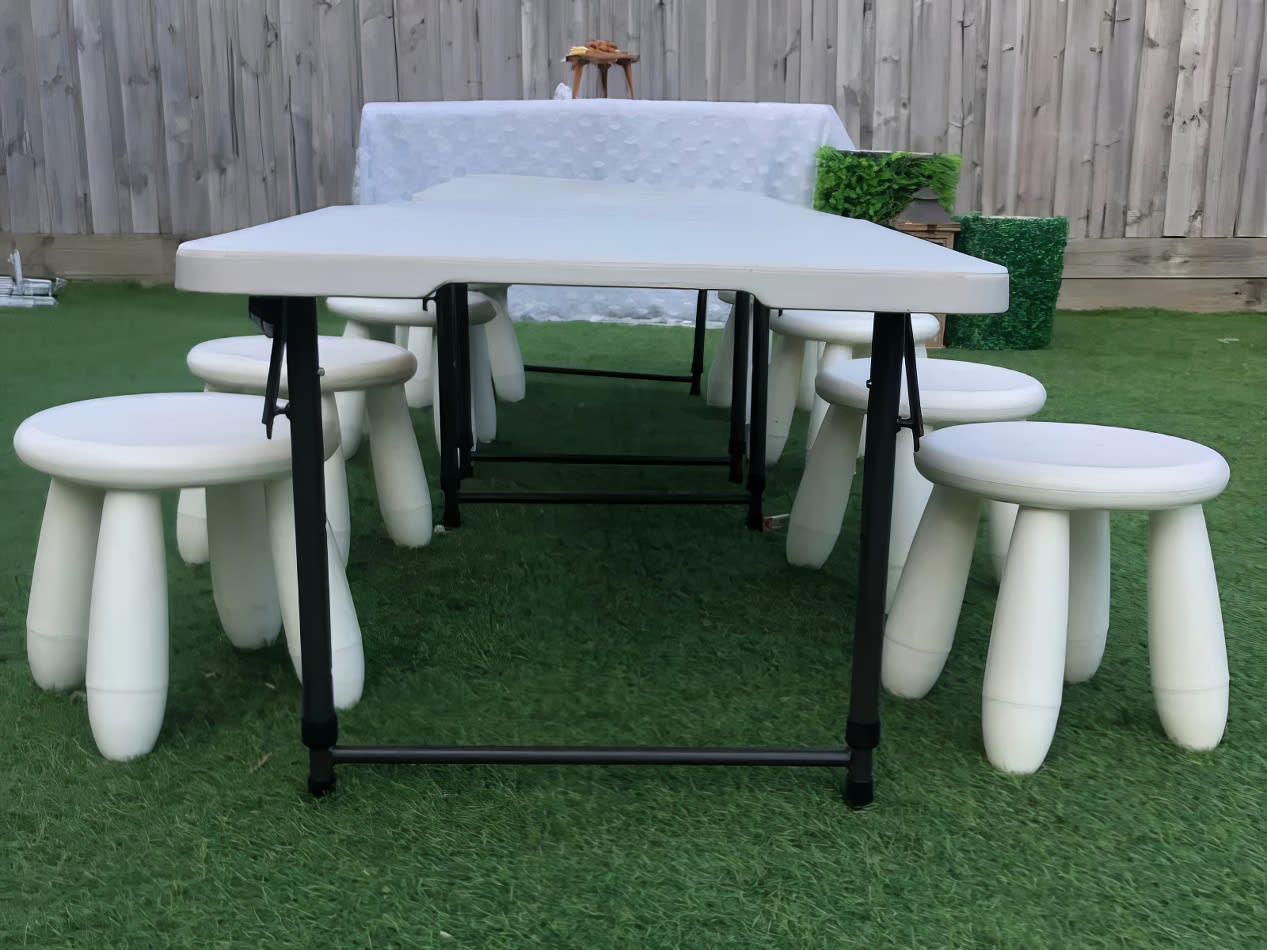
763,148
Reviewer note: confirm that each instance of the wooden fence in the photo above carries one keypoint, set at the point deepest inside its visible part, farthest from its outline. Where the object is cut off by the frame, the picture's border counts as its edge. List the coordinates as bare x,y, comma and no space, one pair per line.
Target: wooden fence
1135,118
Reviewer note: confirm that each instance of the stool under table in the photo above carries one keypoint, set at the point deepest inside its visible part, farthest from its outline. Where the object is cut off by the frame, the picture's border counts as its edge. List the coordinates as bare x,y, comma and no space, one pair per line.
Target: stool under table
377,372
1052,615
98,604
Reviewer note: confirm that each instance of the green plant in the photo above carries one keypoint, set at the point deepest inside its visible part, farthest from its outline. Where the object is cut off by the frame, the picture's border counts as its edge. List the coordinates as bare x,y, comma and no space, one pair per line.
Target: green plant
877,186
1033,251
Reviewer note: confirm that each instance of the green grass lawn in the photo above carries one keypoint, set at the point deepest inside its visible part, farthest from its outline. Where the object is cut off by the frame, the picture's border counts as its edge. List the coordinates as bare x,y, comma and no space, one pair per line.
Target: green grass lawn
618,625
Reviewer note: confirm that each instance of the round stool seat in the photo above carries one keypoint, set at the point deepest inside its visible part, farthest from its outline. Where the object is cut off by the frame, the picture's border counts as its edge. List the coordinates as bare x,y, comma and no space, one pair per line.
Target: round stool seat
405,311
241,363
1072,466
950,391
152,441
846,327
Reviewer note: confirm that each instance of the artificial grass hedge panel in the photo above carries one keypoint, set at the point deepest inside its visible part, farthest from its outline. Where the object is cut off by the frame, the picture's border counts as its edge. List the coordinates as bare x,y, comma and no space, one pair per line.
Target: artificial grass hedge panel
1033,251
877,186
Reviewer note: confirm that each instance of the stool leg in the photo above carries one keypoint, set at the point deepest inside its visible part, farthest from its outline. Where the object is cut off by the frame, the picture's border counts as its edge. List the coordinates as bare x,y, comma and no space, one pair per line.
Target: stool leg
401,483
1088,594
1000,518
1186,649
720,373
352,402
832,354
191,521
242,581
1024,668
812,355
335,478
61,585
781,385
126,675
483,399
576,78
418,386
920,629
504,357
191,526
910,496
823,495
347,656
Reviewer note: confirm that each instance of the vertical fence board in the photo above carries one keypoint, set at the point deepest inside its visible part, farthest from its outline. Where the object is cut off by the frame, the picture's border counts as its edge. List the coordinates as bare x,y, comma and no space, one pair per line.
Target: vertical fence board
1154,119
1231,112
23,145
892,102
184,180
1185,179
930,75
1039,131
61,115
1078,101
377,44
1121,38
1251,220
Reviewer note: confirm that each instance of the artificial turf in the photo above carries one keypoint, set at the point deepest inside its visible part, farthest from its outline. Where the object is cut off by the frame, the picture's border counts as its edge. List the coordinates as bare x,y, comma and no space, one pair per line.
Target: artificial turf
618,625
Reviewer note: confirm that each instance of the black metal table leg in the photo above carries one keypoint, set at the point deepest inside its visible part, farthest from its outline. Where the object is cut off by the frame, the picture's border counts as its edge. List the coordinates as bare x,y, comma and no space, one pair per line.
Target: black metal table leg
697,351
756,428
462,342
739,385
862,732
446,365
320,728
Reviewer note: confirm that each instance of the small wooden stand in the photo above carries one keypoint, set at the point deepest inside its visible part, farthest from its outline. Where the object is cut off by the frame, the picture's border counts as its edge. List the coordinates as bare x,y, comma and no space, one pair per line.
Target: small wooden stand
604,62
943,234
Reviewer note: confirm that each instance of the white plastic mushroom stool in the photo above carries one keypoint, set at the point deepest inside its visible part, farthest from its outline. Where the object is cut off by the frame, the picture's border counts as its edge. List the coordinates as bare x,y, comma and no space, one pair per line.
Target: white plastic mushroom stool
1052,615
380,316
829,337
842,335
378,371
950,392
97,612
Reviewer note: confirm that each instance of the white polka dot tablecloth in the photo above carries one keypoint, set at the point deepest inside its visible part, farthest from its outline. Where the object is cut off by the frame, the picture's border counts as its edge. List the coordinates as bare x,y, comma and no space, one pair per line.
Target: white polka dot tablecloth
768,148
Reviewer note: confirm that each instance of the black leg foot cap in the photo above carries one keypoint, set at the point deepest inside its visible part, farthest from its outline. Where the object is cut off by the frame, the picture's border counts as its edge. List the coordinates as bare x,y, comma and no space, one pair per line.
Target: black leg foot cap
859,794
320,787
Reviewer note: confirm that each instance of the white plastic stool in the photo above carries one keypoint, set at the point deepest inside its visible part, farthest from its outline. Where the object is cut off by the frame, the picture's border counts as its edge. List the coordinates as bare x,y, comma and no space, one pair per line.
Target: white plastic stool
950,391
97,612
376,369
829,336
378,318
843,335
1052,615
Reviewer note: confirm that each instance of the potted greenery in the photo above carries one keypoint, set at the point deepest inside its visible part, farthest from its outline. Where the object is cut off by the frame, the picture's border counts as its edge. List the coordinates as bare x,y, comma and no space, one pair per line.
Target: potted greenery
878,186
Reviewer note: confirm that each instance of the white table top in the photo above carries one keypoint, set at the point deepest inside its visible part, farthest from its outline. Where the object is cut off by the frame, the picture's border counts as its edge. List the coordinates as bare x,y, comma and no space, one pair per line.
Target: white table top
598,235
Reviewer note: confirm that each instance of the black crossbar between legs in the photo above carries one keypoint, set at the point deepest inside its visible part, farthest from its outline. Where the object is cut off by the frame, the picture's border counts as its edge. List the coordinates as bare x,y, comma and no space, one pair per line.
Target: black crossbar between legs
589,755
320,729
862,731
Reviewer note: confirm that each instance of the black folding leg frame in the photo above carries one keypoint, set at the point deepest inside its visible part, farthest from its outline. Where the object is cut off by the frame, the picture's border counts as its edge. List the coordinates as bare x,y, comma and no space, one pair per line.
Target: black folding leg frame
294,320
452,354
697,359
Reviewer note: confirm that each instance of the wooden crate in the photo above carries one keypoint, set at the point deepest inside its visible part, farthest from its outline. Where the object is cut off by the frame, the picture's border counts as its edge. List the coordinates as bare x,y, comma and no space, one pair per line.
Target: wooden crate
943,234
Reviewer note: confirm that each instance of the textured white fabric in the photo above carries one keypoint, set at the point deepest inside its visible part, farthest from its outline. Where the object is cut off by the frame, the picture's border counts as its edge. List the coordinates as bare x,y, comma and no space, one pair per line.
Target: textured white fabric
767,148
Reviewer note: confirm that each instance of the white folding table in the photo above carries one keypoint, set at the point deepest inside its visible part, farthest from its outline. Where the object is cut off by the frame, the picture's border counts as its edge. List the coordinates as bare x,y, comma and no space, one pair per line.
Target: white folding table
772,253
